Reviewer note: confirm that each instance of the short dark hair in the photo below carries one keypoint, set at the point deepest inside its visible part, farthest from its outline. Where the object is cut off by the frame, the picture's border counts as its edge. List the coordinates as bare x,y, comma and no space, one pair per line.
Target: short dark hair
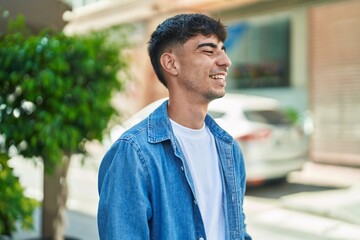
177,30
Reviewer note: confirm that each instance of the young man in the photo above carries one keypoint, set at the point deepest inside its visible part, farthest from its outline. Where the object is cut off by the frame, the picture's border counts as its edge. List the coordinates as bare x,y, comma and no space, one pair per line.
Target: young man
177,175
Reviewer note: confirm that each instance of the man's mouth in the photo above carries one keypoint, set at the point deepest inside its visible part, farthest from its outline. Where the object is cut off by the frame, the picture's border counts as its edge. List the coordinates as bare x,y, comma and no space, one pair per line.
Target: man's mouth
219,79
218,76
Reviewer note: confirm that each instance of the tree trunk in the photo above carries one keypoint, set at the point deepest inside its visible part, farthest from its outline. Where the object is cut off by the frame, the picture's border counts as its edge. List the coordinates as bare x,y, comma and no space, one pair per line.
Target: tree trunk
54,202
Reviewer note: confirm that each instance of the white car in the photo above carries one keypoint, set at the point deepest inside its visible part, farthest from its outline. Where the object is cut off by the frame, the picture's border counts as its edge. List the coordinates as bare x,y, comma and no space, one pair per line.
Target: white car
271,144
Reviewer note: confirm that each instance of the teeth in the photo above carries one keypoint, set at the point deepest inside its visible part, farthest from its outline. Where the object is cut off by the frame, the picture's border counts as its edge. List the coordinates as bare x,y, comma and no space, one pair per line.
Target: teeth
218,76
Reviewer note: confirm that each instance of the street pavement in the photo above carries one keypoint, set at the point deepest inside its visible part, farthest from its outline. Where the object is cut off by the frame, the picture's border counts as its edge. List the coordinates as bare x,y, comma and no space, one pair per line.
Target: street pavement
80,226
325,215
317,215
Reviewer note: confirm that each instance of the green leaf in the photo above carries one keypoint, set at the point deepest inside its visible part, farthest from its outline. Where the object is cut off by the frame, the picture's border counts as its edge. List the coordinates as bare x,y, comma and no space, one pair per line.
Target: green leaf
70,81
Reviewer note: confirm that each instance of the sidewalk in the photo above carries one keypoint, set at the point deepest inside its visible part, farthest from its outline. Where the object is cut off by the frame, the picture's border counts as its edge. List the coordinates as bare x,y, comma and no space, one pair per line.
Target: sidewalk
333,214
82,201
79,227
325,215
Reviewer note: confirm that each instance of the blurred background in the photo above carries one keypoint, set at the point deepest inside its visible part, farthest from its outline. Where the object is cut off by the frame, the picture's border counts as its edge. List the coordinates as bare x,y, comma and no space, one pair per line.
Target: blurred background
304,54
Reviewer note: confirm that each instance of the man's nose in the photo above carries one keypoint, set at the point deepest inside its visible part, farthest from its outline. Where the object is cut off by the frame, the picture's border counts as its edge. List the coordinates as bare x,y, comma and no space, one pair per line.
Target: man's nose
224,60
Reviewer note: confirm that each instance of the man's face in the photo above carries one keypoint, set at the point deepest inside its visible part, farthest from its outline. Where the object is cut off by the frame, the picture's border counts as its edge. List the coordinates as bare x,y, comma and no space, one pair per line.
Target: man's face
203,65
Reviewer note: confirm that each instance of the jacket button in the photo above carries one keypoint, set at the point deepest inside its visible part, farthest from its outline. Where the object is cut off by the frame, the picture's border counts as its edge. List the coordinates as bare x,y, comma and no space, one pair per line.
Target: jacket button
201,238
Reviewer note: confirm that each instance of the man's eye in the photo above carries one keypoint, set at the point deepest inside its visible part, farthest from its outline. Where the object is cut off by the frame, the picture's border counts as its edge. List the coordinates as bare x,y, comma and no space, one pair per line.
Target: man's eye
206,51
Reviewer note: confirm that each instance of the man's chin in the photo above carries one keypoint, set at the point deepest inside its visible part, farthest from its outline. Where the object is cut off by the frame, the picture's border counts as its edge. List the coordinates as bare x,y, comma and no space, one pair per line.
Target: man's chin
215,95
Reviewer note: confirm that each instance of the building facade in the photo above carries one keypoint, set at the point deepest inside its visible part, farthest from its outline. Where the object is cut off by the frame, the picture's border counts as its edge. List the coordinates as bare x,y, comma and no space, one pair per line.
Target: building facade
304,53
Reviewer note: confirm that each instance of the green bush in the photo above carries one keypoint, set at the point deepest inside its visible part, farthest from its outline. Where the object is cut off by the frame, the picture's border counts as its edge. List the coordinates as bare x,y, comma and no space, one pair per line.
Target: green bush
292,114
56,90
14,205
55,93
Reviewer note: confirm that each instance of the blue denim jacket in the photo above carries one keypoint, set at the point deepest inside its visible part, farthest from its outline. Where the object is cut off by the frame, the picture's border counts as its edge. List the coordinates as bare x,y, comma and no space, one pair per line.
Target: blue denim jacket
146,191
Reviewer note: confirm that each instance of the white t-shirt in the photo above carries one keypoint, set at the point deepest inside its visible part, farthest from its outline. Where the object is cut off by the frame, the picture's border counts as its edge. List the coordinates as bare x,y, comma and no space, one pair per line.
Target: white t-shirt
202,159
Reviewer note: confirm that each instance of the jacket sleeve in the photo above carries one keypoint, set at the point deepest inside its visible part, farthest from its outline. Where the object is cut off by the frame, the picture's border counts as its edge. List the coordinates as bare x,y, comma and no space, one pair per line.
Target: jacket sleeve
124,207
242,173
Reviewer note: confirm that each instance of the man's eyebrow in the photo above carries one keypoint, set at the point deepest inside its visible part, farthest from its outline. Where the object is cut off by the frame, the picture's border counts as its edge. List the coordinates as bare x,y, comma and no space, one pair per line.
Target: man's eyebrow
212,45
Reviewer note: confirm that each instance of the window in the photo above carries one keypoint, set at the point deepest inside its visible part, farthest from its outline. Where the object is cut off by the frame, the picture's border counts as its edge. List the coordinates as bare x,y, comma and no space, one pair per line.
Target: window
259,50
273,117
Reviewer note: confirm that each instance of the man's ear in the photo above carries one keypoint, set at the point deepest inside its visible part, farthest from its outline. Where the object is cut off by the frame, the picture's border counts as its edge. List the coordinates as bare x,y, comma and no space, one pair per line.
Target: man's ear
167,61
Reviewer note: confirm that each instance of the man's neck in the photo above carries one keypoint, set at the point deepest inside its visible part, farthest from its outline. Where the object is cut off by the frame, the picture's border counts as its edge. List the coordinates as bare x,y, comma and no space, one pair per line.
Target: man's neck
186,113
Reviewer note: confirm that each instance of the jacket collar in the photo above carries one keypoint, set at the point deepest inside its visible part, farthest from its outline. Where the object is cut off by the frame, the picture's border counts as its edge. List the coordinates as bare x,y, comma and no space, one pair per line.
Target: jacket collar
159,126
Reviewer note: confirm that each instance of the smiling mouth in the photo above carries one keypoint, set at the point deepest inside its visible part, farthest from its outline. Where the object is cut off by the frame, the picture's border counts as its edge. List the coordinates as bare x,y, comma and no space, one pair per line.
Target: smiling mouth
218,76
